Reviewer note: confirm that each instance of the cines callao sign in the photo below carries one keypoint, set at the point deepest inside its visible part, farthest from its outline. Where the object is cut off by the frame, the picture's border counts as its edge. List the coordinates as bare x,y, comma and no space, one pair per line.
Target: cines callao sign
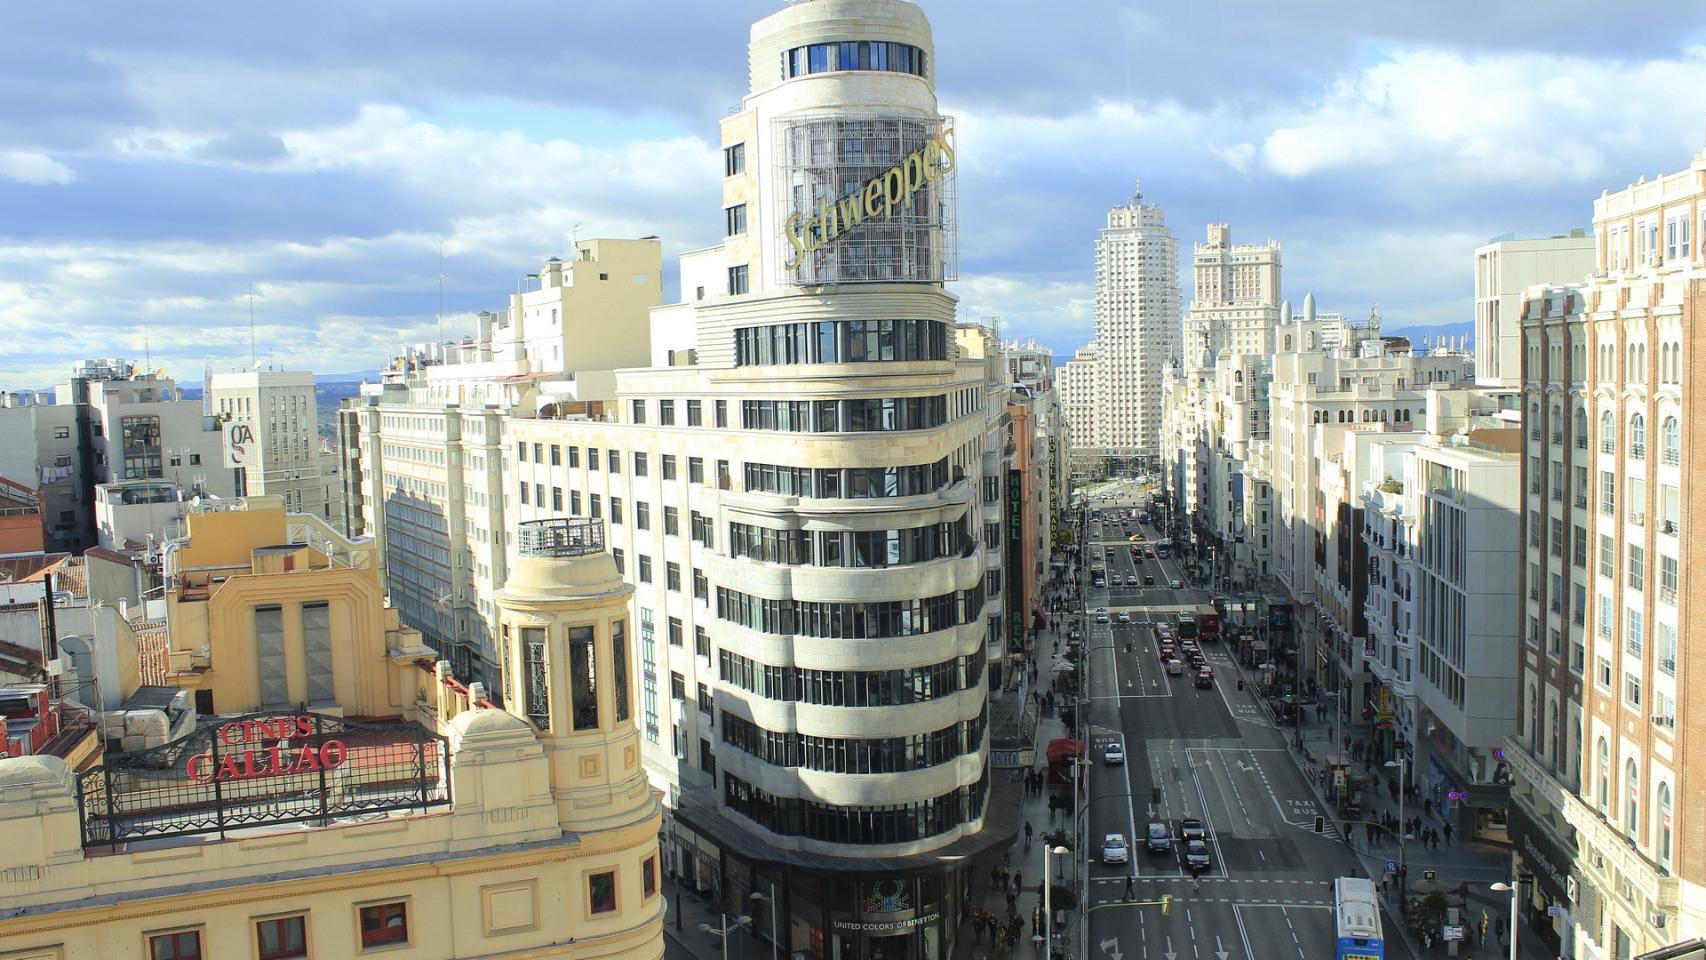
877,199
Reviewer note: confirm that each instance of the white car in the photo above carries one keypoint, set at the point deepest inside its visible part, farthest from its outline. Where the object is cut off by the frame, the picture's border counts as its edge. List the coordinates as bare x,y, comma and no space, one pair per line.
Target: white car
1114,755
1123,617
1102,615
1114,849
1177,584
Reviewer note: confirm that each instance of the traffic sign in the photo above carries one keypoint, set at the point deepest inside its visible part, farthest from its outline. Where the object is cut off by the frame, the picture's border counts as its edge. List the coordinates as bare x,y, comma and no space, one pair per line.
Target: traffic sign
1391,865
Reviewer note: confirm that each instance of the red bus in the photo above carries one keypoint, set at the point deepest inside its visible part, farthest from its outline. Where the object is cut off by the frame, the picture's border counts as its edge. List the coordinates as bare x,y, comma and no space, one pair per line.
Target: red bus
1208,622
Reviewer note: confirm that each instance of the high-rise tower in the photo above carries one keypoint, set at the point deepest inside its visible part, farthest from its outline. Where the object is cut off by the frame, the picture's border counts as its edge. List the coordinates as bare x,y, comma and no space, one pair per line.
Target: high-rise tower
1137,327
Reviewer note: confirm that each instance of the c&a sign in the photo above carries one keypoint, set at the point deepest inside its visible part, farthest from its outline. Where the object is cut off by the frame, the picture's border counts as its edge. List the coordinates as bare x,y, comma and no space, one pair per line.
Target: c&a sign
249,749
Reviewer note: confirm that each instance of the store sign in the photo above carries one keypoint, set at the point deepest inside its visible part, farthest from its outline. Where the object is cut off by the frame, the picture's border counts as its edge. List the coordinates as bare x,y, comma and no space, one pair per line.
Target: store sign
877,199
262,748
265,768
241,446
886,926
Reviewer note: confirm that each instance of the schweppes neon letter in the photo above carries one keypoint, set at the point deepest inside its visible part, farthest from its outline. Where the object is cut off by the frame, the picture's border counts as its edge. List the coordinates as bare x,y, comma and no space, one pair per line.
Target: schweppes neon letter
876,199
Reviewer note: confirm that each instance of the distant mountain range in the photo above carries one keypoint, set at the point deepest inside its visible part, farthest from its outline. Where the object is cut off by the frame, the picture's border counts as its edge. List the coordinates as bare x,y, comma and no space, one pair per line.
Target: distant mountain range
1419,334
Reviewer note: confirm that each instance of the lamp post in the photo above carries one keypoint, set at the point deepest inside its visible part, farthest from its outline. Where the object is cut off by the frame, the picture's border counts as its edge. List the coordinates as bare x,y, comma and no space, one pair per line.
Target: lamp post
1049,853
775,945
726,929
1513,889
1400,762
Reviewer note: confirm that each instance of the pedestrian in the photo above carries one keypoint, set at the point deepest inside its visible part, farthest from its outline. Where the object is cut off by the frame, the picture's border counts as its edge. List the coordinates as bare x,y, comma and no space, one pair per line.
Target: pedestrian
1196,883
1428,807
1018,881
1448,832
1129,888
1028,834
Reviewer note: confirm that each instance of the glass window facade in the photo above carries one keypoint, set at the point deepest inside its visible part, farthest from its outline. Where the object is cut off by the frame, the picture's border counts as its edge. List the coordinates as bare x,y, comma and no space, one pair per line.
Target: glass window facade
841,341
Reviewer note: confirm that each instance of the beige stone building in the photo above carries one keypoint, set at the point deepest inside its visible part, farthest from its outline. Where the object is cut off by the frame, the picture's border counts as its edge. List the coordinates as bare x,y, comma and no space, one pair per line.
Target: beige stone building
350,797
1609,707
280,410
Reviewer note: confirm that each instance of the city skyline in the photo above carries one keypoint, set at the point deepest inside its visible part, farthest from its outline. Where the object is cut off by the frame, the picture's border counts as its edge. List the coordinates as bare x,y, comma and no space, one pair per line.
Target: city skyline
335,158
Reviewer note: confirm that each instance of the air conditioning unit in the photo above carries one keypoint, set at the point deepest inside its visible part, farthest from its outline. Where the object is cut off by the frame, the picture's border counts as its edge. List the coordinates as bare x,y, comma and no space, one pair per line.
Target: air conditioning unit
1657,920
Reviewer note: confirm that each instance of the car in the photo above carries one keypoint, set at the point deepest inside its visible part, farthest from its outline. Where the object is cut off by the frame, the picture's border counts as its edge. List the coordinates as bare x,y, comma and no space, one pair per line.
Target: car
1149,580
1150,554
1135,538
1102,615
1123,617
1196,660
1196,855
1160,839
1163,629
1131,579
1177,584
1168,652
1114,755
1191,828
1175,667
1114,849
1205,678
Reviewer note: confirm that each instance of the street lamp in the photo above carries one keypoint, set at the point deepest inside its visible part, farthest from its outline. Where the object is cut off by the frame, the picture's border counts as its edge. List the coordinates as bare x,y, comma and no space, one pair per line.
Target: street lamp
726,929
775,946
1049,853
1400,762
1513,890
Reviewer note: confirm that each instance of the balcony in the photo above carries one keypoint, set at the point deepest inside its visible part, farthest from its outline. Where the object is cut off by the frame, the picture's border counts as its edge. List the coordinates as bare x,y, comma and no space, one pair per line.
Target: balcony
1581,441
1581,501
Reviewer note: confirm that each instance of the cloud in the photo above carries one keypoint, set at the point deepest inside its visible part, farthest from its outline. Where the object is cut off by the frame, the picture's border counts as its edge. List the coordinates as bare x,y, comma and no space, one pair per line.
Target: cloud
1526,119
37,169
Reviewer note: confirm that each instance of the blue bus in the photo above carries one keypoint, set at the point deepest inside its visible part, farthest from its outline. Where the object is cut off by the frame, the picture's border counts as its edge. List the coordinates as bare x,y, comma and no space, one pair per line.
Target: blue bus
1356,920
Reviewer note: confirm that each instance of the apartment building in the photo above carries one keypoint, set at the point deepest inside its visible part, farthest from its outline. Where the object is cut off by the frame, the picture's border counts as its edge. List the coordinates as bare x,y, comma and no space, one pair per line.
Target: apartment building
1321,397
1441,527
1077,387
279,412
1601,777
1137,331
1505,267
332,791
1237,298
423,450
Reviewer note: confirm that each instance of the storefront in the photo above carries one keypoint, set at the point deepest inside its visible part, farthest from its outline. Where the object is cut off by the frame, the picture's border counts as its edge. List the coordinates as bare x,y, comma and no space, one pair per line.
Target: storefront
1547,902
1470,787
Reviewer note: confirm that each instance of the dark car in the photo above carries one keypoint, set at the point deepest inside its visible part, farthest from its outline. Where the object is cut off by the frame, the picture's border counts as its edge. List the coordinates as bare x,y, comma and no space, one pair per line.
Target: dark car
1191,828
1196,855
1160,840
1205,678
1149,580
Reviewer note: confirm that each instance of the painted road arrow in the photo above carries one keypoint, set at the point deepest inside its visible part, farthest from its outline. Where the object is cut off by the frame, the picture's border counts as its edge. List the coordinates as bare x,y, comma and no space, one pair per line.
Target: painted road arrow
1111,947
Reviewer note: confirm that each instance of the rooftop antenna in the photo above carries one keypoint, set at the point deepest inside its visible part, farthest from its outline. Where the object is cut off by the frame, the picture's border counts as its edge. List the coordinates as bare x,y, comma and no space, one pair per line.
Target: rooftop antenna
1137,190
574,235
440,289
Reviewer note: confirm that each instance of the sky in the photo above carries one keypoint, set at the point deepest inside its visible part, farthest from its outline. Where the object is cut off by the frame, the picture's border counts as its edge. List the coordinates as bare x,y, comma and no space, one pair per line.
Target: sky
164,168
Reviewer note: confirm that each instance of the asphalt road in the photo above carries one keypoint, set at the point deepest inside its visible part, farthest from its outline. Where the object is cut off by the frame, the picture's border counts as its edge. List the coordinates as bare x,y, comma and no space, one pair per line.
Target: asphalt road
1212,754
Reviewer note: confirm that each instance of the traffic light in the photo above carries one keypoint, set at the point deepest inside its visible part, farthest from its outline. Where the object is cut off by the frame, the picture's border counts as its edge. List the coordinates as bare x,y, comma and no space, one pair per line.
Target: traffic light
1320,824
1166,904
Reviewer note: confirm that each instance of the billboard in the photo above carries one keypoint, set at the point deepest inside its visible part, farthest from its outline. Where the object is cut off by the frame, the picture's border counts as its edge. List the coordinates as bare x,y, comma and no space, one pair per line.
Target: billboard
242,447
866,200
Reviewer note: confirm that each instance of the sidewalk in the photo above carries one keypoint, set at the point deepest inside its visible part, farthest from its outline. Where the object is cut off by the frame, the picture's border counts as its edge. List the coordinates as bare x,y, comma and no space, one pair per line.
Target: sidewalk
1478,864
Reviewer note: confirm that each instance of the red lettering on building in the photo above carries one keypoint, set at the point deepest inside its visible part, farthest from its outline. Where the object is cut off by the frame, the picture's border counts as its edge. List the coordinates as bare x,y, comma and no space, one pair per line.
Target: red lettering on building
267,752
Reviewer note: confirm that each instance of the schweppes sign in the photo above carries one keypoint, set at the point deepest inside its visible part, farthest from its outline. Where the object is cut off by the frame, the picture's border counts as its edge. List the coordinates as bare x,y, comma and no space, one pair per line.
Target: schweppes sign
877,199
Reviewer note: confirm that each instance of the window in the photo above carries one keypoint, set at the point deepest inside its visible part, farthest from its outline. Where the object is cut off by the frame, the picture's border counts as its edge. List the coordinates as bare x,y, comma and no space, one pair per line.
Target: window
701,642
1669,574
639,411
621,559
642,516
667,464
649,876
695,413
1670,439
734,160
557,499
672,576
1579,547
695,470
592,458
524,493
671,521
177,945
1632,784
1635,632
619,661
1608,493
1664,822
282,938
574,456
645,569
1602,671
642,467
615,509
1665,657
1637,567
384,923
676,632
701,586
735,219
613,461
1607,557
583,678
720,413
666,413
737,280
1604,776
1607,433
601,892
1638,437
